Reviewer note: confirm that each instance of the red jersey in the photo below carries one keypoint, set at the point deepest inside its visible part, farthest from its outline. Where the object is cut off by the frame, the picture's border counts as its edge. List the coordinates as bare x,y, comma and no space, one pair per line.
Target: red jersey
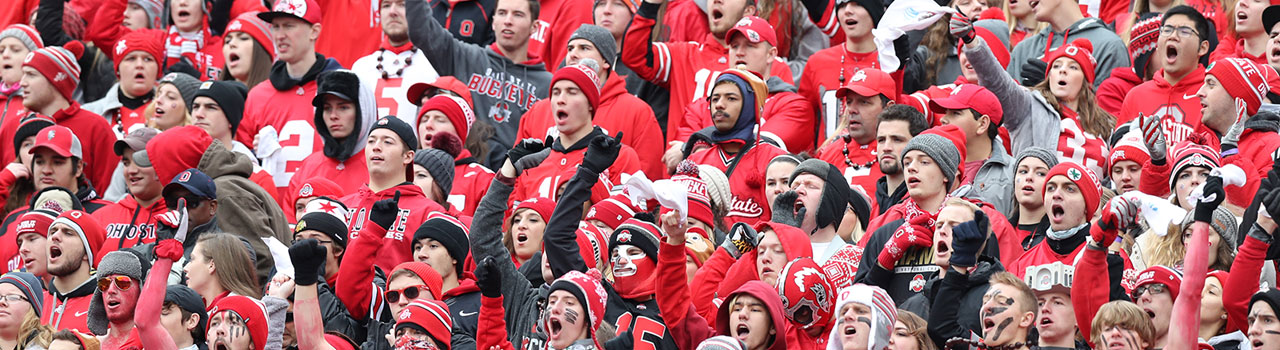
823,74
470,183
128,223
545,179
97,142
786,118
618,111
352,26
746,182
1076,145
1176,104
687,69
349,175
397,245
557,21
865,169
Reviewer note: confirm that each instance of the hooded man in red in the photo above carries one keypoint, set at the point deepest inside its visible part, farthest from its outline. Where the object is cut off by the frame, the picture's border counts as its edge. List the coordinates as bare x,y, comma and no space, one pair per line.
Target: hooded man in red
50,76
346,109
389,158
1171,93
618,110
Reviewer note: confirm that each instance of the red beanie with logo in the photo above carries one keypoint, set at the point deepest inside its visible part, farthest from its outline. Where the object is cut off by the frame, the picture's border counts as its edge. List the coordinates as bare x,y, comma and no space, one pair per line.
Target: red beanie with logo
150,41
59,64
1081,51
1084,179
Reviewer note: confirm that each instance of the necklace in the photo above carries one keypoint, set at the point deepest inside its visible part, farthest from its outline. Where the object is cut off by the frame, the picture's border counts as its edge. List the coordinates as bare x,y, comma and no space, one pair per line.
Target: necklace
407,62
848,161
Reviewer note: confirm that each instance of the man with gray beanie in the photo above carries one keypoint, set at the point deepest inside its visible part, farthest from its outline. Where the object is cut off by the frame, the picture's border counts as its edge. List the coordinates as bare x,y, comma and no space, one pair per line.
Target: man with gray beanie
120,276
617,110
433,172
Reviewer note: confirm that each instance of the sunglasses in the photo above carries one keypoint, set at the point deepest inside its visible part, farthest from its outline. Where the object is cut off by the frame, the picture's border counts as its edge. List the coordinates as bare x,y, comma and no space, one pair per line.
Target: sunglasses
193,201
1154,288
409,293
122,282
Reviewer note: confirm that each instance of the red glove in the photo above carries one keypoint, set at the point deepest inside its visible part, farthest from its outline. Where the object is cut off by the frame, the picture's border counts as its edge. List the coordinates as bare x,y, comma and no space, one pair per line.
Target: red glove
169,249
1119,213
917,232
171,218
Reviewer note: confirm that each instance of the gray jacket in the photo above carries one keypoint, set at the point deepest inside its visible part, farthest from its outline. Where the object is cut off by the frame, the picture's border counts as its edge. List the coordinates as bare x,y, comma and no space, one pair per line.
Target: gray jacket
505,90
521,300
1030,119
1108,50
994,181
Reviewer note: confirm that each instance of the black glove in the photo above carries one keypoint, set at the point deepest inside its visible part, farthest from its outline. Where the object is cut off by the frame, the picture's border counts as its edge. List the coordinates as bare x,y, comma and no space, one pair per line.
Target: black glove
307,256
967,239
384,211
601,152
784,209
532,160
1271,202
741,240
525,147
488,279
1213,196
1033,71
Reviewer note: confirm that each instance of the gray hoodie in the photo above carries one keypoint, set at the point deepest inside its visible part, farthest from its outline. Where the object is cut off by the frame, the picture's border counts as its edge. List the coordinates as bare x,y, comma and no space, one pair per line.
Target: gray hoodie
1108,50
1030,119
502,90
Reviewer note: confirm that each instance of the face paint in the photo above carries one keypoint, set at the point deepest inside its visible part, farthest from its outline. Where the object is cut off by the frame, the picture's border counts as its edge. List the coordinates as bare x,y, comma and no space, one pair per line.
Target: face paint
632,271
864,320
625,264
571,316
1000,328
408,342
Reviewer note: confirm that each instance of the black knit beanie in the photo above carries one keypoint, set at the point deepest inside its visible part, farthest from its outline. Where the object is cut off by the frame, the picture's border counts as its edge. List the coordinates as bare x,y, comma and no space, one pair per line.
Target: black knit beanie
450,234
835,193
229,95
325,223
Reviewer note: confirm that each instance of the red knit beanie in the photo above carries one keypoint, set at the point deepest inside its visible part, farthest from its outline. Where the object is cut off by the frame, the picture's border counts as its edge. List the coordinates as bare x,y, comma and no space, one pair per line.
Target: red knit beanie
699,201
150,41
612,211
1170,278
593,244
1242,79
1130,147
58,64
591,295
1084,179
316,187
177,149
585,78
541,205
260,31
430,315
428,275
457,109
35,221
1189,153
253,312
1081,51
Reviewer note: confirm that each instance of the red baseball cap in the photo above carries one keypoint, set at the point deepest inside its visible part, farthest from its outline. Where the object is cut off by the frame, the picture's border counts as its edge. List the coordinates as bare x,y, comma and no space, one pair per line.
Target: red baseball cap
755,29
416,91
970,96
869,82
60,140
306,10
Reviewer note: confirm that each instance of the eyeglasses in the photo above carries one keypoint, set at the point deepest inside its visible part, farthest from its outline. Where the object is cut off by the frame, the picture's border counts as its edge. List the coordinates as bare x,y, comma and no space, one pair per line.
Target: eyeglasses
12,298
410,293
1183,31
122,282
1154,288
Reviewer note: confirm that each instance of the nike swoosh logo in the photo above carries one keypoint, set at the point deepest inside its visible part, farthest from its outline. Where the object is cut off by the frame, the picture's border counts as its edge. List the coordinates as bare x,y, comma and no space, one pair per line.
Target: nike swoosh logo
82,313
467,314
1188,97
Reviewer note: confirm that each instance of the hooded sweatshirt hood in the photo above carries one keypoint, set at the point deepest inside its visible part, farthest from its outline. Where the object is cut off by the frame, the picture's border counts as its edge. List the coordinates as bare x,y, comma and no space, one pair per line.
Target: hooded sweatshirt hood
280,79
176,150
346,85
772,301
883,315
218,161
754,92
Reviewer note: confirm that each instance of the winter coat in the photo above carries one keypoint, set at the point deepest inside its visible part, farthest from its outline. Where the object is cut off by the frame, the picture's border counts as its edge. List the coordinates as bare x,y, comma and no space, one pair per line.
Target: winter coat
502,90
397,242
886,200
244,208
283,104
968,305
1108,50
1257,145
994,181
618,111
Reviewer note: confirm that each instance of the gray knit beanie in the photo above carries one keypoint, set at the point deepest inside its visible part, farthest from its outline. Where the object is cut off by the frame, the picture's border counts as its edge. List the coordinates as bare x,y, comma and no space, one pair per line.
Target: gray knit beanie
30,285
835,195
943,152
439,164
1050,158
186,84
601,39
1224,224
722,342
24,33
120,262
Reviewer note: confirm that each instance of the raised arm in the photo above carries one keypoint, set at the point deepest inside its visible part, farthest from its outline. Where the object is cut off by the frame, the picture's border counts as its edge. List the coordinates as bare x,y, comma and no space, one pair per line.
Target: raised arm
308,256
686,326
1184,328
561,232
151,301
105,28
355,286
651,61
445,53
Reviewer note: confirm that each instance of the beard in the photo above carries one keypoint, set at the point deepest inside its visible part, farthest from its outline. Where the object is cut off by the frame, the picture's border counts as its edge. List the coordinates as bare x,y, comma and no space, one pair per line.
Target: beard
68,266
398,35
890,168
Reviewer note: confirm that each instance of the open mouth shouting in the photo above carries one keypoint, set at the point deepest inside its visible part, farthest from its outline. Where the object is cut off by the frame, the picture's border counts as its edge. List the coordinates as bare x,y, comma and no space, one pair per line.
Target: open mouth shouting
741,331
55,253
1057,213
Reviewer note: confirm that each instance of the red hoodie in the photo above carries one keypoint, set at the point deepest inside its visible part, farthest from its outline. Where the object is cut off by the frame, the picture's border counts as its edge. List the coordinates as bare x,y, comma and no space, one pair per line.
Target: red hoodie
1176,104
470,183
397,244
721,275
1256,148
746,183
687,69
1236,51
11,113
96,140
618,111
128,223
1111,93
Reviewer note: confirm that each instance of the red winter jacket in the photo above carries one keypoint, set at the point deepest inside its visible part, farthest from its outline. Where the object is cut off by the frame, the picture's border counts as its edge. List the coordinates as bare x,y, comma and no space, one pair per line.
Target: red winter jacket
687,69
397,242
557,21
128,223
349,175
618,111
96,140
470,183
1242,282
863,177
545,179
1111,92
746,182
1176,104
11,113
786,117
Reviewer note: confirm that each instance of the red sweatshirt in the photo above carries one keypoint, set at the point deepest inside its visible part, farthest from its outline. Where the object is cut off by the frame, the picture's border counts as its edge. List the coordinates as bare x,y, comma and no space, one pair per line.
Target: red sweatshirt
128,223
69,310
1256,148
1111,93
786,118
1243,281
96,140
11,113
687,69
470,183
545,179
1176,104
618,111
349,175
557,21
1237,51
397,243
1090,290
746,182
354,285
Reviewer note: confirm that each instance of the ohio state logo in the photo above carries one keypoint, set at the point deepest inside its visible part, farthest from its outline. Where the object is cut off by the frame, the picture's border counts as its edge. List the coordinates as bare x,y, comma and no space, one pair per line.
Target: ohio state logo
305,191
51,134
235,26
293,7
917,283
624,237
748,208
1074,174
184,177
120,47
60,76
859,76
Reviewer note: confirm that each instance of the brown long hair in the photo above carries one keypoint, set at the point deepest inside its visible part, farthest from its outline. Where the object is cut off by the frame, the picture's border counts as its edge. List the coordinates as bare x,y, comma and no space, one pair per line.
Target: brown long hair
1093,119
31,325
232,263
938,40
259,68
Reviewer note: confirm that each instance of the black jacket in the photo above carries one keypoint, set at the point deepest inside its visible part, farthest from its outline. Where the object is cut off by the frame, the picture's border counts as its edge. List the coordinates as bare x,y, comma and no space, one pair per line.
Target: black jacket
969,304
